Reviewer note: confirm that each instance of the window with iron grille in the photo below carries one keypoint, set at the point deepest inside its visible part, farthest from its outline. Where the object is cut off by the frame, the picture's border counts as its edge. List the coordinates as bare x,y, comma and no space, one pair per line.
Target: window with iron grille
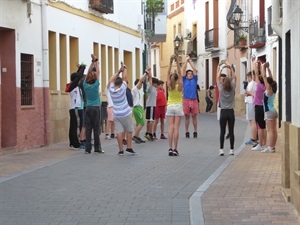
26,79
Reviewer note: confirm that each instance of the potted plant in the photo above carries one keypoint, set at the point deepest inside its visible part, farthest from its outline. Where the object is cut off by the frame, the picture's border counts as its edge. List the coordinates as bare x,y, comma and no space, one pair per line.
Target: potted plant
242,39
193,55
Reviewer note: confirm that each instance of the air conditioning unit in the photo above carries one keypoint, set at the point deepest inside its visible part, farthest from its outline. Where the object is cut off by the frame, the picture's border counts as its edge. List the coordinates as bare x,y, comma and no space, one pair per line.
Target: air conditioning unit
188,34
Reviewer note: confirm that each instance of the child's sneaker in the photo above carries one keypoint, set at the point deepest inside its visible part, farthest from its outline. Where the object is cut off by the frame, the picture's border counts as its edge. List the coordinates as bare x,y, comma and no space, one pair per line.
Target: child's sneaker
195,134
129,150
268,150
154,136
175,152
221,152
148,137
162,136
258,148
82,145
107,137
170,152
187,134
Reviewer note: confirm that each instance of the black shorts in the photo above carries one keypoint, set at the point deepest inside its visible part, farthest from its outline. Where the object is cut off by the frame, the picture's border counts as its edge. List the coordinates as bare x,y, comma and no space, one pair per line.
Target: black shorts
150,113
103,111
260,116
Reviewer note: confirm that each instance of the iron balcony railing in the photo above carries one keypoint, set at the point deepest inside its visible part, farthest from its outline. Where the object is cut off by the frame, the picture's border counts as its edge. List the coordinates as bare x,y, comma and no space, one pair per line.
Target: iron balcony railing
211,39
257,32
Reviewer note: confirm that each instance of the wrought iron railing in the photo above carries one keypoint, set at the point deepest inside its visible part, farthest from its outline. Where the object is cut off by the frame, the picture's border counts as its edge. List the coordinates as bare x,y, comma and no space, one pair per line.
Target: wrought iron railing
211,38
257,31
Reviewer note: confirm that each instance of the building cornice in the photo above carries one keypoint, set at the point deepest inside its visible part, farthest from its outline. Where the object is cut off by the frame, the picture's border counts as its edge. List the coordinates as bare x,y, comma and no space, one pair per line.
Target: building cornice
87,15
176,12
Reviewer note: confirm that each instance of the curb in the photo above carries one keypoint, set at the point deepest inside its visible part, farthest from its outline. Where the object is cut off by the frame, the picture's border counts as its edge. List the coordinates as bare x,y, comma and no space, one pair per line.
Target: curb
195,205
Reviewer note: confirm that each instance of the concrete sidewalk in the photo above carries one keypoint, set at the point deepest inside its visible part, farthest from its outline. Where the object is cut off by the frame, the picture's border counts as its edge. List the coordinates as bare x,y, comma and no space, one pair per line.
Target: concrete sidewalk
249,192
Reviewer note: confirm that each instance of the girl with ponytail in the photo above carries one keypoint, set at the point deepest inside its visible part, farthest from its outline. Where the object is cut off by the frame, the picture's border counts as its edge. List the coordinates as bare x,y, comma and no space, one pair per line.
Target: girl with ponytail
174,105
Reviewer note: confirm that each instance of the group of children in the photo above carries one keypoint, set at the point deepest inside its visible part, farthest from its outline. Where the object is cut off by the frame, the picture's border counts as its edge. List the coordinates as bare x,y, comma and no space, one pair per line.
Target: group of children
260,111
123,105
155,109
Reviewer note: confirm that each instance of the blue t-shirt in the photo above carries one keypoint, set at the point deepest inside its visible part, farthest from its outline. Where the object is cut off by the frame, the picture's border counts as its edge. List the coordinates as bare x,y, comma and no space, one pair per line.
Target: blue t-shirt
269,102
92,93
129,97
190,87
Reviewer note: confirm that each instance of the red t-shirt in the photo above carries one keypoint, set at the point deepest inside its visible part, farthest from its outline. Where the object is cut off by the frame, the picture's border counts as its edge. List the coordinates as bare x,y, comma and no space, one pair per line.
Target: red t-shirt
161,98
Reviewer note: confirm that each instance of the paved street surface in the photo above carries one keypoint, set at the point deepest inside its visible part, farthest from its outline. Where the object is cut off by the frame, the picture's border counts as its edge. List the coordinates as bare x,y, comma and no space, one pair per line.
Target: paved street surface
59,186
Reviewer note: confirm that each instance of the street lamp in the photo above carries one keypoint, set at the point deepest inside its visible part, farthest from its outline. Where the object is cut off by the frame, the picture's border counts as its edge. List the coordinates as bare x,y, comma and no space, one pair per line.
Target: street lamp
177,44
237,15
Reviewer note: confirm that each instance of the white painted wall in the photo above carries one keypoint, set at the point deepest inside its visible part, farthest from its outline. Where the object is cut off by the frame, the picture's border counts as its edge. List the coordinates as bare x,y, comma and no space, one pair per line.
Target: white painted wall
125,11
13,15
88,32
291,18
29,30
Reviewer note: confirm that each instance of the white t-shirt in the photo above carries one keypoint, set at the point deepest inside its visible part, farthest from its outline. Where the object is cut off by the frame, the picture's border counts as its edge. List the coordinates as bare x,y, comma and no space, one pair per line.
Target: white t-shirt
109,101
138,96
75,98
250,87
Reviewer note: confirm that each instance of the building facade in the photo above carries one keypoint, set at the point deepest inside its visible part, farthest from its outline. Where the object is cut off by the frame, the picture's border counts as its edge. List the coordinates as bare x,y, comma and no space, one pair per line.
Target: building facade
41,43
285,22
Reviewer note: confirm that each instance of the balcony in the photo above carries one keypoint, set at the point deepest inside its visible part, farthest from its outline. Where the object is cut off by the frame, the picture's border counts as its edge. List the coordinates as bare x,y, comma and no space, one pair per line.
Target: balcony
257,34
102,6
212,40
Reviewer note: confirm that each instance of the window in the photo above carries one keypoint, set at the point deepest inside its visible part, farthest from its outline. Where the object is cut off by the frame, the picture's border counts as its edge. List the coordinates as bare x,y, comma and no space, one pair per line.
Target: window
26,79
270,30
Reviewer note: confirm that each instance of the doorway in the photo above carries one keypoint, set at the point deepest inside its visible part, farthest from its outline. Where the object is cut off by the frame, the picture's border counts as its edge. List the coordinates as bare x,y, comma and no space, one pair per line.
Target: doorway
8,94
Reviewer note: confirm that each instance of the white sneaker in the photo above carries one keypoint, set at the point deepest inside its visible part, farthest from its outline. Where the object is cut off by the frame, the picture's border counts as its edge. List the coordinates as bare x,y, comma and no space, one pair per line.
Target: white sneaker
231,152
221,152
107,137
258,148
268,149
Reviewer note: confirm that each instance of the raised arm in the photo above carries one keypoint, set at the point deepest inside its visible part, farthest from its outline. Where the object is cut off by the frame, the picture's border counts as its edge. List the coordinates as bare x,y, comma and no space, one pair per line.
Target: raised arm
267,65
231,72
256,74
148,71
141,81
169,72
94,66
193,66
78,76
178,73
218,76
116,75
124,73
185,65
264,75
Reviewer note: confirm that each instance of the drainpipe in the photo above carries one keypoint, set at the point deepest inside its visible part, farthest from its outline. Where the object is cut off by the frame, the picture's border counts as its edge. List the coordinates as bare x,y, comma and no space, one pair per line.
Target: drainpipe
45,59
276,20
